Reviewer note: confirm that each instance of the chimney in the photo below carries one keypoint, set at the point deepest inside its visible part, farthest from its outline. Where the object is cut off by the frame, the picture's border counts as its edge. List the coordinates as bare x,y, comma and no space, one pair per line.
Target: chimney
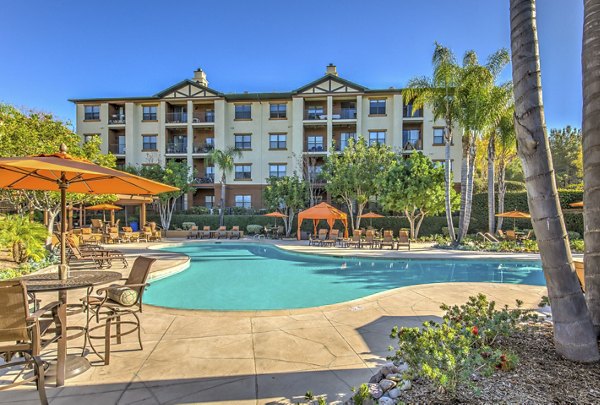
331,70
200,77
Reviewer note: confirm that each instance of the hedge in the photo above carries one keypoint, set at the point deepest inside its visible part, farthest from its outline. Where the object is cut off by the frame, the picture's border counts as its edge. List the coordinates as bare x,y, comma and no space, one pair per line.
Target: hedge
518,201
430,226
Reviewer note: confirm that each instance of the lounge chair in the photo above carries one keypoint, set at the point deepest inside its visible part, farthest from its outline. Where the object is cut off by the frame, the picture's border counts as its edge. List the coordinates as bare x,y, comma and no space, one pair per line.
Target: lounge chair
108,312
369,239
355,241
146,234
530,234
511,235
88,237
322,235
501,234
222,232
100,257
388,240
193,233
156,231
27,334
205,232
334,236
403,240
129,235
234,232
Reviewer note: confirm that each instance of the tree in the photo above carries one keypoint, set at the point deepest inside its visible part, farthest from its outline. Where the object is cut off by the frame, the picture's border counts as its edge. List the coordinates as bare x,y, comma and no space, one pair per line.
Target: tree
574,336
24,133
479,102
351,175
223,160
438,91
288,195
567,156
591,156
506,152
174,173
313,178
414,187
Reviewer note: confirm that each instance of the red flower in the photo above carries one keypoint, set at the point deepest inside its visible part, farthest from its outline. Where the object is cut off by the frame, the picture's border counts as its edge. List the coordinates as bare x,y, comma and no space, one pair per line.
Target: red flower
475,330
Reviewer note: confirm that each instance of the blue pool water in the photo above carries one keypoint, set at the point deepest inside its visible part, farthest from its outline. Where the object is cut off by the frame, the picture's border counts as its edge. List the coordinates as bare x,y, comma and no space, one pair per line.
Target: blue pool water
238,276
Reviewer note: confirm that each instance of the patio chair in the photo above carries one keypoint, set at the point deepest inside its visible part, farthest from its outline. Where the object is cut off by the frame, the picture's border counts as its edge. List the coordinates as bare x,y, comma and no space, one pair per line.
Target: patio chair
205,232
403,240
234,232
88,237
156,231
501,234
193,233
118,301
112,236
511,235
355,241
99,256
27,334
97,226
369,239
222,232
334,235
146,233
129,235
388,240
530,234
322,236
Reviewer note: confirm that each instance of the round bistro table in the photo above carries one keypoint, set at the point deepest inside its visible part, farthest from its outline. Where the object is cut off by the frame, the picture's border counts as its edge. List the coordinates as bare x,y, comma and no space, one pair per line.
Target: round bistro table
77,279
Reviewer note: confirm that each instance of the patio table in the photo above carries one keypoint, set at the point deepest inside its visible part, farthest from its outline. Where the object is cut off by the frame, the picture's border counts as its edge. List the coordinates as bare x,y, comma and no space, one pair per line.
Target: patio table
78,279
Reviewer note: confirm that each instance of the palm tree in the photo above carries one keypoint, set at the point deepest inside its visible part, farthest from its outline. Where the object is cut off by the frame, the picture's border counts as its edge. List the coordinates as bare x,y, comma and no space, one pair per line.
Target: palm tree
574,335
25,239
506,151
223,160
438,91
479,102
591,156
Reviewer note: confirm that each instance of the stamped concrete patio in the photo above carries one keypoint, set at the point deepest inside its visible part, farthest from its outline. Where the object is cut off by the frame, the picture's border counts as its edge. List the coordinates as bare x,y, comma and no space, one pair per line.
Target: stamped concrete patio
261,357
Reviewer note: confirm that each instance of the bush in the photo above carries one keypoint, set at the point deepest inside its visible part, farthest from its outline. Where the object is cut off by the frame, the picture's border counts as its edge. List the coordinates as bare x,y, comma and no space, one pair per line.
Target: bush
198,210
186,226
577,245
464,345
573,235
254,229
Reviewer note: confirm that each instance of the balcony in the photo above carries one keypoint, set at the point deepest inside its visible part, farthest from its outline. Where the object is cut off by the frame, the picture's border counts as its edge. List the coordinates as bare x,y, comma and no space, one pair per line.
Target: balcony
116,119
409,112
177,147
207,116
411,140
207,179
116,148
178,117
204,148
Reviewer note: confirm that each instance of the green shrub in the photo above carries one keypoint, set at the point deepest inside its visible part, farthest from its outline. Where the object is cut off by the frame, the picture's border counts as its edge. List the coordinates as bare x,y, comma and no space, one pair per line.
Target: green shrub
186,226
573,235
577,245
26,240
446,231
198,210
465,344
254,229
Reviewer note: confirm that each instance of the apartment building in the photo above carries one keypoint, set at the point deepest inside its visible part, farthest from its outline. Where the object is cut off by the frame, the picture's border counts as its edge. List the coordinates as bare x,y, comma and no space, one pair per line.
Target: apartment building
278,133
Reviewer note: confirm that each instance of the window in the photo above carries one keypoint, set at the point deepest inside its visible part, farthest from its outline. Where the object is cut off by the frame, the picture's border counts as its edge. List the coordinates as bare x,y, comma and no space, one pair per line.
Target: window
314,143
411,139
88,137
376,138
243,201
348,110
377,107
278,111
243,141
314,112
243,112
150,142
277,170
314,173
209,115
277,141
91,112
209,201
438,136
243,172
409,112
345,137
210,172
149,113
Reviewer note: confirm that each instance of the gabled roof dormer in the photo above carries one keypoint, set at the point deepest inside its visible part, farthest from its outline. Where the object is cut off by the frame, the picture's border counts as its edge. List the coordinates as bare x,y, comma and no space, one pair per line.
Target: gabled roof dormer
330,83
188,89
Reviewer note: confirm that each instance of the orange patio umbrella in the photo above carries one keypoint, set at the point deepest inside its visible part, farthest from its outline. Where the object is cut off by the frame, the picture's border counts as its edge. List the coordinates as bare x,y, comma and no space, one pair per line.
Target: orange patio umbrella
326,212
371,215
514,215
578,204
275,215
105,207
62,172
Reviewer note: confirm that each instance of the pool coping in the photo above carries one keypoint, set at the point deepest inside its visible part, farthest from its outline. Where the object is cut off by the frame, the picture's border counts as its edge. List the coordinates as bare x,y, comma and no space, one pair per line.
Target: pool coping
351,305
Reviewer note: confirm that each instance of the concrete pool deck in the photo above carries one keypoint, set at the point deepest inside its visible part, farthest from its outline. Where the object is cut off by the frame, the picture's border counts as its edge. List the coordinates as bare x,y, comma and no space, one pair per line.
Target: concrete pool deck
261,357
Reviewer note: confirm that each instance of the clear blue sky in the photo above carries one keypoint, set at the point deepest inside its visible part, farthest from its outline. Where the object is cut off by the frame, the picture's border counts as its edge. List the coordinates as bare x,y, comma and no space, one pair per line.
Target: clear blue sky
55,50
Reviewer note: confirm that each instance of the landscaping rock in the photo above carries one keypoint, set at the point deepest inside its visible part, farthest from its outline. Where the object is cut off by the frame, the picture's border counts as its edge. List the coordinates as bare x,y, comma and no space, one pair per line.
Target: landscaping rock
389,368
405,385
375,391
394,377
386,384
386,401
394,393
376,378
402,367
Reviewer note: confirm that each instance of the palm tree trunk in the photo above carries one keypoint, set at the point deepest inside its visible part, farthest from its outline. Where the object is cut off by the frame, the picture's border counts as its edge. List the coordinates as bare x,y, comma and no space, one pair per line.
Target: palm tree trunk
464,229
574,335
591,156
491,176
449,183
501,192
222,213
464,180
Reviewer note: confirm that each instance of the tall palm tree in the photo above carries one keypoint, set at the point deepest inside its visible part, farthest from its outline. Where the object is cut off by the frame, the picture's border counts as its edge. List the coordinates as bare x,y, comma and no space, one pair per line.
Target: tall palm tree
223,160
478,103
506,151
438,91
591,156
574,336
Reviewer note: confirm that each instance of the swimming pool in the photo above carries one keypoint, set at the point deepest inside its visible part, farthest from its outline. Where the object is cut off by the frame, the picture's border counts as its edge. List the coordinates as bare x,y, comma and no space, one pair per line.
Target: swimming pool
252,276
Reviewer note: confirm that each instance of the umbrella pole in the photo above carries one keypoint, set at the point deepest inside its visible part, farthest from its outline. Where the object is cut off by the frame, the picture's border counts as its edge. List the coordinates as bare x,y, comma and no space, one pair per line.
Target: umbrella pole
63,268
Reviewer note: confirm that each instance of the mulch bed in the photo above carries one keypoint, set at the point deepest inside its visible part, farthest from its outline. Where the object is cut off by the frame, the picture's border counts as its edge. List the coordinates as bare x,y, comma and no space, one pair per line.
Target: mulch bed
541,377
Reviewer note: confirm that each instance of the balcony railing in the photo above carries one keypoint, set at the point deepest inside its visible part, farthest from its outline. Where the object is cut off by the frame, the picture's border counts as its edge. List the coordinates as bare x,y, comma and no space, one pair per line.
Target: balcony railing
116,119
116,148
312,147
205,148
315,115
409,112
208,179
207,116
344,114
176,117
176,148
